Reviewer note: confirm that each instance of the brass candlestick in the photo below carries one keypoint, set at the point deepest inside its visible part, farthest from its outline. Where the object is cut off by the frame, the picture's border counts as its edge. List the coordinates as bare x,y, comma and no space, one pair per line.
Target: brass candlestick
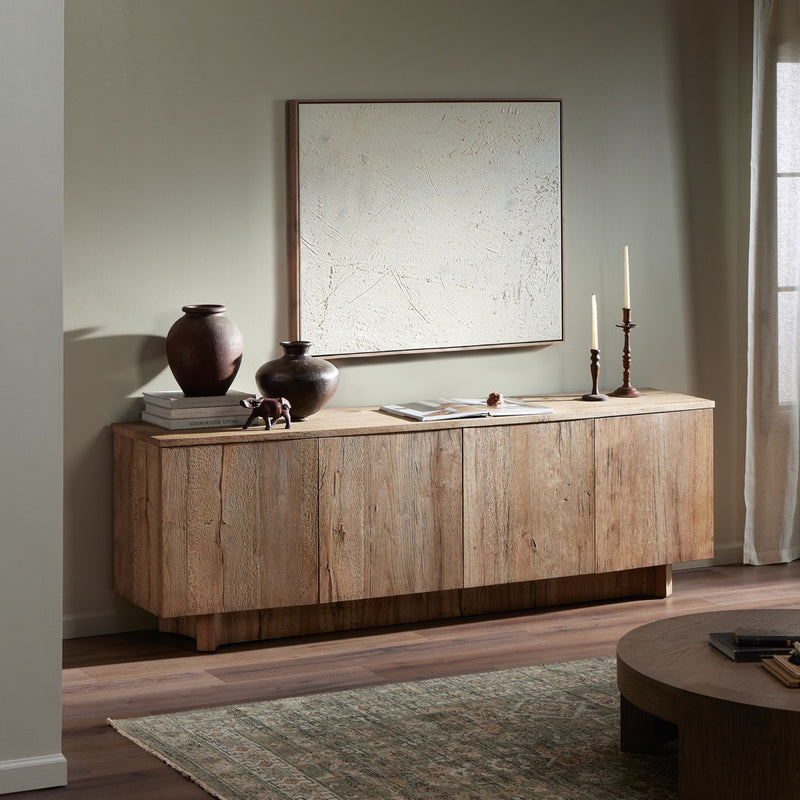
626,390
595,370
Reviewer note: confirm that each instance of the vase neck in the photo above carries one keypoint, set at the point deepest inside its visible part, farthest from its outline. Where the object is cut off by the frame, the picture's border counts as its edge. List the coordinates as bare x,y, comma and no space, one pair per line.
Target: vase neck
296,349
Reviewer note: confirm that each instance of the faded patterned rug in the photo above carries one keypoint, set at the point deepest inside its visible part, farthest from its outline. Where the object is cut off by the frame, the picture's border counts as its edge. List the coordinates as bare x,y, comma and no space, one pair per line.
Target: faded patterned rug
534,733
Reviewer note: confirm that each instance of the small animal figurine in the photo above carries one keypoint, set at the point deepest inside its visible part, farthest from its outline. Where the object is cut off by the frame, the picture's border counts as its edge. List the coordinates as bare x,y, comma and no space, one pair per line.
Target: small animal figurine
270,409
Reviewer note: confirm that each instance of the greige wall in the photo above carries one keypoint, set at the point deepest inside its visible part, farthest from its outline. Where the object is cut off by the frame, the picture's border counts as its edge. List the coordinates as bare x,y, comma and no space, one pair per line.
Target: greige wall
31,182
175,193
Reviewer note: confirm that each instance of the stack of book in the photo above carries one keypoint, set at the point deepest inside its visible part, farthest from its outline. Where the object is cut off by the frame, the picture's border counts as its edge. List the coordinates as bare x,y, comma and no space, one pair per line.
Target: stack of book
175,411
753,645
784,670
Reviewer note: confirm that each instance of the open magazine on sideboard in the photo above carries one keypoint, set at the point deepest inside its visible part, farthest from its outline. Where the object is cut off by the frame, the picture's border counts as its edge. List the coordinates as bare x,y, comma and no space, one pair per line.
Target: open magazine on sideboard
459,407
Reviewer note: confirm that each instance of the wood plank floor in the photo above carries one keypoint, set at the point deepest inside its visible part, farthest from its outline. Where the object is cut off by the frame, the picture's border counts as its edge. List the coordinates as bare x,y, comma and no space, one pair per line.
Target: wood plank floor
144,673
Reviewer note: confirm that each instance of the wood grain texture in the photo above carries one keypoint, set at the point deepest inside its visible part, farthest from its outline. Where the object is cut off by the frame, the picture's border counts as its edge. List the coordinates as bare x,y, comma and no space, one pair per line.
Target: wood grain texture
214,630
730,750
270,525
390,514
654,489
137,533
528,509
239,527
217,532
369,419
191,553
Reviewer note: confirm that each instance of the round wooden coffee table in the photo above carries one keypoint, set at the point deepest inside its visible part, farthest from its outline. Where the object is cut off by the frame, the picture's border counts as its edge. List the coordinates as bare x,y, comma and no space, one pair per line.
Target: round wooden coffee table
738,727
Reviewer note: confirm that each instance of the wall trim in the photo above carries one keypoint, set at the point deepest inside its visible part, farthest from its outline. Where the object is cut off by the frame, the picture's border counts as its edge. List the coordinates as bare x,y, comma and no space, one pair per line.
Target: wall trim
723,555
38,772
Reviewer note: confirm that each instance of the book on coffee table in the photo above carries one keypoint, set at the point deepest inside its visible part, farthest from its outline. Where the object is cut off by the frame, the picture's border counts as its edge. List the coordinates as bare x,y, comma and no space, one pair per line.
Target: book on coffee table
763,637
726,643
784,670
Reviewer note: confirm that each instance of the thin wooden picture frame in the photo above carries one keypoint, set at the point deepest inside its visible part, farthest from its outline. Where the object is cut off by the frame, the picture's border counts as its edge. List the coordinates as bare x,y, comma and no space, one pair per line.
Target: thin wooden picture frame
419,226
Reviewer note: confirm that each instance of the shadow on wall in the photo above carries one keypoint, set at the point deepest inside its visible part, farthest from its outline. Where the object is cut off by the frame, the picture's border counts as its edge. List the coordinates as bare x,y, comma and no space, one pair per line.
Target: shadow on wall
100,372
108,368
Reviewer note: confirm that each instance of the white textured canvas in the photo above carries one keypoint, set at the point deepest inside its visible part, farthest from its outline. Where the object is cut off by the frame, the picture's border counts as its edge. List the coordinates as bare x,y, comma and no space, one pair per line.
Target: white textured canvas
429,225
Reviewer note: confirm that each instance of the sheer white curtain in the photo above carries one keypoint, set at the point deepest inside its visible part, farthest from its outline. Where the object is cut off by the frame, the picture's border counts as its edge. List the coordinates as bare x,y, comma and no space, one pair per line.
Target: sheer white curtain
772,472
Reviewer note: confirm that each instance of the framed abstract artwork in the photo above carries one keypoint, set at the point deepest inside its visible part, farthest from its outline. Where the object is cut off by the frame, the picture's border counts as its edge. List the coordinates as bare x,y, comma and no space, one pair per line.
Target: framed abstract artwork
425,226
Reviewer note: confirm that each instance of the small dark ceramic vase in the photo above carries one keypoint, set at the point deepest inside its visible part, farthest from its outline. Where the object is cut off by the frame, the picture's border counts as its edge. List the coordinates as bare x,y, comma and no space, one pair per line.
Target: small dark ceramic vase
307,382
204,350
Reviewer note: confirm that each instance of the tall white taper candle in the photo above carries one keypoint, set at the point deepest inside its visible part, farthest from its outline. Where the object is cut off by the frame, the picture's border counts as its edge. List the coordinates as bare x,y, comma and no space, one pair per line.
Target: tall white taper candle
626,297
594,323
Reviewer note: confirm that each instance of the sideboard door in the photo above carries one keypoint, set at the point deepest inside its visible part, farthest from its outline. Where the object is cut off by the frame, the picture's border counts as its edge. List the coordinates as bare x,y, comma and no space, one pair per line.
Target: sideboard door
528,505
654,489
239,527
390,514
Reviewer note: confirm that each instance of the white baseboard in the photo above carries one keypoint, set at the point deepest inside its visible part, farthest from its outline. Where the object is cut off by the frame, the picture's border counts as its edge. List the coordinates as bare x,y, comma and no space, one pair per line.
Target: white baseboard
40,772
723,554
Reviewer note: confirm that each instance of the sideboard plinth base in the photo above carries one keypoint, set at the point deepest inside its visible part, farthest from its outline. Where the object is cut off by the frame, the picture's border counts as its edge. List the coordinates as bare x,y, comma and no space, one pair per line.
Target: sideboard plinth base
213,630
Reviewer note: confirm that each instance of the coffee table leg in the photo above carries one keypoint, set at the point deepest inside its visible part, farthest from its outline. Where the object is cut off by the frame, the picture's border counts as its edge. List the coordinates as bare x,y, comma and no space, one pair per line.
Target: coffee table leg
641,732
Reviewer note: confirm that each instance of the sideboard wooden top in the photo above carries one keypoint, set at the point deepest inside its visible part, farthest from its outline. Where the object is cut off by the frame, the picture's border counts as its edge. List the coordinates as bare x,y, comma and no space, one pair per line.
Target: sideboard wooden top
370,420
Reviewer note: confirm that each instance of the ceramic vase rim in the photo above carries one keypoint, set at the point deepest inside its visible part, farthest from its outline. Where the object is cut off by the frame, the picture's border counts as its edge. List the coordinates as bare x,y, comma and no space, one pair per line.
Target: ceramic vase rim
204,308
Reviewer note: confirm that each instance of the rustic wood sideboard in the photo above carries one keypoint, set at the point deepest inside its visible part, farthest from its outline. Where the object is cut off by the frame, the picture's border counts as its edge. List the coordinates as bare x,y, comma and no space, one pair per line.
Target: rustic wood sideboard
354,518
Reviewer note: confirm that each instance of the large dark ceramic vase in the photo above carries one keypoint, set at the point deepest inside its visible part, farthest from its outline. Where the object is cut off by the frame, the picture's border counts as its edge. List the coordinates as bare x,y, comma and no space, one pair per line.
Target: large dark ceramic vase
204,350
307,382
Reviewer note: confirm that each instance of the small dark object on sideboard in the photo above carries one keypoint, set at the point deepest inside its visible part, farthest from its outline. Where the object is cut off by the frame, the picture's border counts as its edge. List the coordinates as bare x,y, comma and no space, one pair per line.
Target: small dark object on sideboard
270,409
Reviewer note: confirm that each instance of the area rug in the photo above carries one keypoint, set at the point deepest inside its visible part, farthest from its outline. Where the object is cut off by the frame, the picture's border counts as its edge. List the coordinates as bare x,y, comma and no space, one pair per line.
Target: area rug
534,733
